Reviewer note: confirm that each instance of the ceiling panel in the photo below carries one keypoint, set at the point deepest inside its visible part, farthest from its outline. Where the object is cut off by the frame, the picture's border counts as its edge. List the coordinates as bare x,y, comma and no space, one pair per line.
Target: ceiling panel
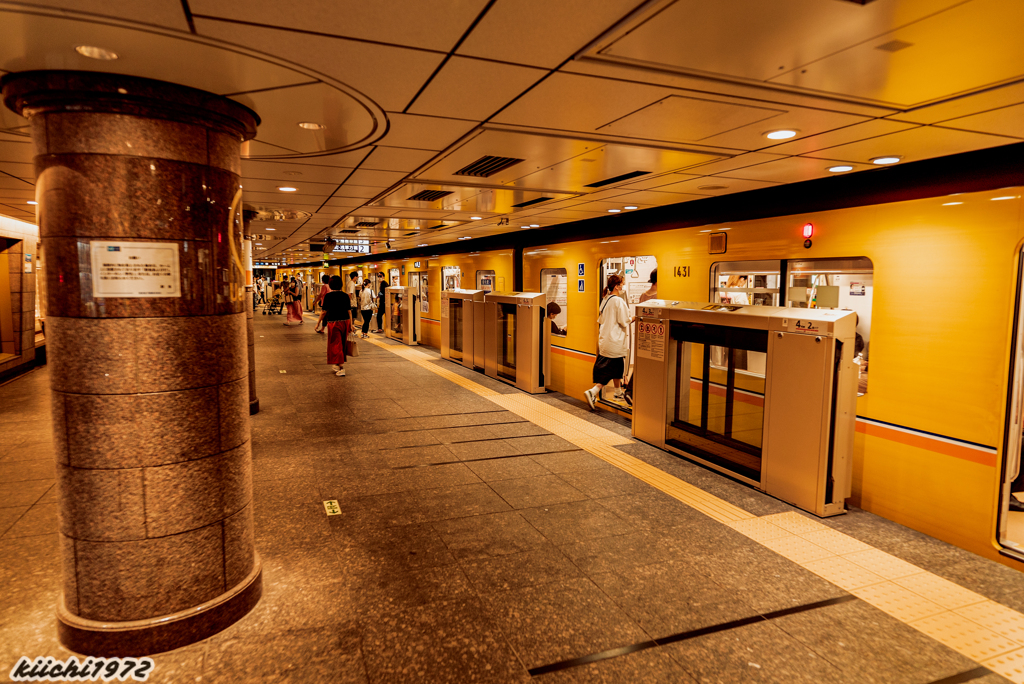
48,43
969,46
608,161
284,174
473,89
389,75
983,101
657,198
346,121
712,185
765,39
541,32
788,170
737,162
689,119
804,121
396,159
19,170
361,191
432,24
303,188
652,181
917,143
569,102
168,13
423,132
381,179
1006,121
860,131
463,198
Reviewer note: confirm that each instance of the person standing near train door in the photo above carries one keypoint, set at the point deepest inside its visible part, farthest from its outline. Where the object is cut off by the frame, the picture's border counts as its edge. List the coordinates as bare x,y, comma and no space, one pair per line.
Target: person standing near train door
383,282
612,341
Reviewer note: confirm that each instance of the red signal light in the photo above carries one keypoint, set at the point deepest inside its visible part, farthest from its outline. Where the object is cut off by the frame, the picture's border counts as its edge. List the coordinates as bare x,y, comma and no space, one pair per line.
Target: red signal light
808,230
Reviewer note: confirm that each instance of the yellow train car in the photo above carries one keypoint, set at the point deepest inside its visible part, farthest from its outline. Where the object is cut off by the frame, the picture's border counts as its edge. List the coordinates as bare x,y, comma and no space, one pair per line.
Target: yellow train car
935,283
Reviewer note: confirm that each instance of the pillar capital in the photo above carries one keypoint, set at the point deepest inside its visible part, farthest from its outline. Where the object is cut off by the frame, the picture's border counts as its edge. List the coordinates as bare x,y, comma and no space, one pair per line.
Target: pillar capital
40,92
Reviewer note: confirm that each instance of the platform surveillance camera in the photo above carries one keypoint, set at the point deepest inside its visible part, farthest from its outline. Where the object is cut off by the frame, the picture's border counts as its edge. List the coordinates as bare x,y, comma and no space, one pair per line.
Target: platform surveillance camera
387,244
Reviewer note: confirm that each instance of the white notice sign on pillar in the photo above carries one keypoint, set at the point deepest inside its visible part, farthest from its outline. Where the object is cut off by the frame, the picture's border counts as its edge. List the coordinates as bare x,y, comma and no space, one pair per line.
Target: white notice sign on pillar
651,340
135,269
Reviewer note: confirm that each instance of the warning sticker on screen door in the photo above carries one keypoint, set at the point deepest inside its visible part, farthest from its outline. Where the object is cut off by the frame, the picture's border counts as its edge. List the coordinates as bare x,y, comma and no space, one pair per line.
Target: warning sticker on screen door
650,340
135,269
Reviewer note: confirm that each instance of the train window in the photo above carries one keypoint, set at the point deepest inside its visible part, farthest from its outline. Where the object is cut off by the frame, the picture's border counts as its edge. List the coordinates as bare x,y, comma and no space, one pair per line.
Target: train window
394,276
640,275
837,284
485,280
554,282
452,277
810,283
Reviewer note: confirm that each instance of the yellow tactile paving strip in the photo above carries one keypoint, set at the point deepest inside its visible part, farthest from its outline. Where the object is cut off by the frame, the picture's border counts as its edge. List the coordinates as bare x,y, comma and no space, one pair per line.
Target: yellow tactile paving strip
987,632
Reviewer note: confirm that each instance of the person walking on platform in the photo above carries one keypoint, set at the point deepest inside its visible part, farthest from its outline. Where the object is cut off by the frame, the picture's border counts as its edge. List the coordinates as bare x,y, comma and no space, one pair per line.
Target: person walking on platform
353,294
612,341
324,289
380,303
294,303
336,317
367,302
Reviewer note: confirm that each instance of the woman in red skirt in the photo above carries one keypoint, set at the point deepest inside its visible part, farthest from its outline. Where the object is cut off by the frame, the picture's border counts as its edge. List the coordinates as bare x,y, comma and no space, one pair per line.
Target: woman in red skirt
336,317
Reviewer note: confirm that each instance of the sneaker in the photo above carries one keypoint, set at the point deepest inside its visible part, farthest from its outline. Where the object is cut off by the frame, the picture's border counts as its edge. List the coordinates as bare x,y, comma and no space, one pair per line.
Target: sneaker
336,368
341,373
629,399
591,396
619,394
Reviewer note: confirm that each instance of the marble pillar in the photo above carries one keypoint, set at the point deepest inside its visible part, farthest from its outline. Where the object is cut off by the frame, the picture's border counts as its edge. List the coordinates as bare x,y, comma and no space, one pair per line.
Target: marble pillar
150,387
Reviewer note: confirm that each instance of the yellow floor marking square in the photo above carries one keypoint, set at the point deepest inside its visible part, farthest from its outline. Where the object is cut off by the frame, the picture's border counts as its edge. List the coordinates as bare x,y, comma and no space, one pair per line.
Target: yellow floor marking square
1009,665
842,573
794,522
964,636
997,617
882,563
902,604
796,549
759,529
941,591
836,542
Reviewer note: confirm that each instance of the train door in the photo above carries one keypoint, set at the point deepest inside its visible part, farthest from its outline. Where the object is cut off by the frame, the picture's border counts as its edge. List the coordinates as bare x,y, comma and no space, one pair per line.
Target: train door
640,282
554,282
1011,499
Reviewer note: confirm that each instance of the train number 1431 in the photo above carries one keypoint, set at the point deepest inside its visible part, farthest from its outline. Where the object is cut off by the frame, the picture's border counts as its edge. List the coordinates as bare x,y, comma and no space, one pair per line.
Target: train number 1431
681,272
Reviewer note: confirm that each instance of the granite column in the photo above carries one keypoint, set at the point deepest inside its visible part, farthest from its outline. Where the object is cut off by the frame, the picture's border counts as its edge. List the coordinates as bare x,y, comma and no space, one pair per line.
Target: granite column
139,212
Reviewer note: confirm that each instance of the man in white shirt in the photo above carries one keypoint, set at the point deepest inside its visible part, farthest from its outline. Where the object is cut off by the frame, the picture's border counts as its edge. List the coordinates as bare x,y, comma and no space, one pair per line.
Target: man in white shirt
353,293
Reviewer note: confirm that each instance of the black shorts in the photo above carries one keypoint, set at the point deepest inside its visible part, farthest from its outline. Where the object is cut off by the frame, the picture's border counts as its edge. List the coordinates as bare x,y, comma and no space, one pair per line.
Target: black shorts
606,369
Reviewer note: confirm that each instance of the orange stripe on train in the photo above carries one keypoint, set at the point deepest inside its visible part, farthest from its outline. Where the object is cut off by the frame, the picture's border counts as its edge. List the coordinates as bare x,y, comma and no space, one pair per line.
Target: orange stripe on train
921,442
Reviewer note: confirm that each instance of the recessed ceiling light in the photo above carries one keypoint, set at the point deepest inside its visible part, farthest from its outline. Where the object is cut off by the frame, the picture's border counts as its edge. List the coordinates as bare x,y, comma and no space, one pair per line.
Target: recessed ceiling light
882,161
781,134
996,199
285,188
93,52
476,218
614,211
632,207
951,204
310,126
841,168
466,238
421,245
535,225
32,202
705,231
271,228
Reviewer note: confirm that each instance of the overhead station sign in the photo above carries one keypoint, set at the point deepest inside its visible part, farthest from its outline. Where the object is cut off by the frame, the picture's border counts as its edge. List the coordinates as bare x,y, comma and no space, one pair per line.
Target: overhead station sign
135,269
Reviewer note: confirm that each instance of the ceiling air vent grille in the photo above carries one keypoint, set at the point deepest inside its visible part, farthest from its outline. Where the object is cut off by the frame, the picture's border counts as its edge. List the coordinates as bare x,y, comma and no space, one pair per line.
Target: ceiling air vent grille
717,243
349,231
529,202
367,224
430,195
487,166
440,225
617,179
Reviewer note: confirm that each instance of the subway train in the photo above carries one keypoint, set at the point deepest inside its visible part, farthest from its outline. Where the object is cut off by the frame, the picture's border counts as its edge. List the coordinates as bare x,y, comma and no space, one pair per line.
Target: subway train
935,282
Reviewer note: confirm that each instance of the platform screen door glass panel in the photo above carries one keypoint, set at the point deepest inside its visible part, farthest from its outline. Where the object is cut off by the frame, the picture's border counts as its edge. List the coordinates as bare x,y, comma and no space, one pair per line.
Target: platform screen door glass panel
747,283
455,328
554,282
507,341
713,416
395,312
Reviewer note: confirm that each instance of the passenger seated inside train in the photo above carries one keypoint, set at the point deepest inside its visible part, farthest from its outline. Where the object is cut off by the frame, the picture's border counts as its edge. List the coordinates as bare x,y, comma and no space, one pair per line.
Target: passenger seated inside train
553,310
